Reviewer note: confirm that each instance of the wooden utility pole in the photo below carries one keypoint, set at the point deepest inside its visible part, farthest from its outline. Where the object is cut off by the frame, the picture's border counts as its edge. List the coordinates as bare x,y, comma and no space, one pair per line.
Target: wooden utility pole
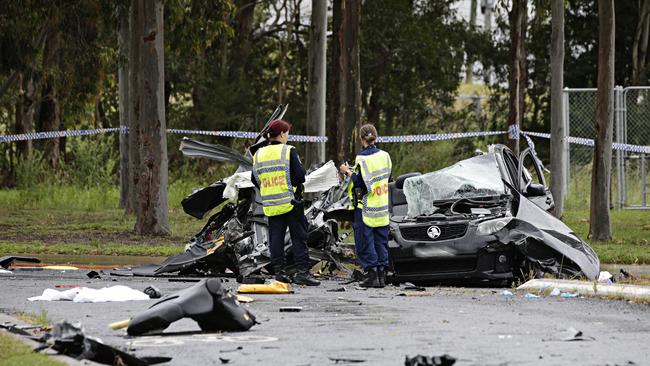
151,189
599,221
346,84
558,133
317,80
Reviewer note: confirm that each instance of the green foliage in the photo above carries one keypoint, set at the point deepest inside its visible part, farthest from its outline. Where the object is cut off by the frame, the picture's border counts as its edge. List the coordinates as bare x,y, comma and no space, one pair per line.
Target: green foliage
15,353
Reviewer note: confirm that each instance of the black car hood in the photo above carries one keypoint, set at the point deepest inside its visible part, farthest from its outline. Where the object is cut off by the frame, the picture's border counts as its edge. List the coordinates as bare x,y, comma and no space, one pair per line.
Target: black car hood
547,241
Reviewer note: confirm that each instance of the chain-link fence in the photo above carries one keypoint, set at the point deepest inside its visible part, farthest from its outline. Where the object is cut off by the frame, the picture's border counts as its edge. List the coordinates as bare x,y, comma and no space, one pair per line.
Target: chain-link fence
630,170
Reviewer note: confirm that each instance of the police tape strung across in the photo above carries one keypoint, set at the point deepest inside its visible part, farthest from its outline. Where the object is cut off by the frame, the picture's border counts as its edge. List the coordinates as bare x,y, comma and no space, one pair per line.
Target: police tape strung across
513,133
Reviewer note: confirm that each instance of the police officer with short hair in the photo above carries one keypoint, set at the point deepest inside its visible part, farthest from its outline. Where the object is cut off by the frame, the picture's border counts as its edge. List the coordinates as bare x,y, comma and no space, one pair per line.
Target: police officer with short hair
369,197
279,175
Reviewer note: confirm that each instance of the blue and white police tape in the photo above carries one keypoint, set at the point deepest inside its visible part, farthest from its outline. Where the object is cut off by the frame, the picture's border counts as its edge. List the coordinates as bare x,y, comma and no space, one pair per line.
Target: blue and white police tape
55,134
246,135
590,142
435,136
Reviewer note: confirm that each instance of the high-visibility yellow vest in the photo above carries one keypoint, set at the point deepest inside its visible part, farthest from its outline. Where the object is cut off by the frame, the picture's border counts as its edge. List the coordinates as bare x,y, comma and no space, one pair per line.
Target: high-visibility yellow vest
375,170
271,169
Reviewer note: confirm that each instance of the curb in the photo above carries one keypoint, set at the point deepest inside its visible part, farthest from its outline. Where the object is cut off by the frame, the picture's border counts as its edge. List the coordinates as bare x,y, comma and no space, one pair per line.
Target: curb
625,291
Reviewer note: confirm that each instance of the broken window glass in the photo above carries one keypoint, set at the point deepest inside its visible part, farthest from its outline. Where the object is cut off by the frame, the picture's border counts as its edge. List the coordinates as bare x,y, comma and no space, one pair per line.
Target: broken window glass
478,176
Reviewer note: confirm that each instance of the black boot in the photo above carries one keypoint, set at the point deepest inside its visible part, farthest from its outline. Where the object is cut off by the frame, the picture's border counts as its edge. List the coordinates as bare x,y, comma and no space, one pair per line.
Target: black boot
305,278
381,277
371,280
281,276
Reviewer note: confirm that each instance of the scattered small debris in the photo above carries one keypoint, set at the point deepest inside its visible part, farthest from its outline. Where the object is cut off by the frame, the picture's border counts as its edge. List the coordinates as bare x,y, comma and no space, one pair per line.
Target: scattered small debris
420,360
6,261
338,289
346,360
224,360
244,299
239,348
605,277
568,295
573,334
556,292
93,275
153,292
251,280
506,293
414,294
531,296
4,271
291,309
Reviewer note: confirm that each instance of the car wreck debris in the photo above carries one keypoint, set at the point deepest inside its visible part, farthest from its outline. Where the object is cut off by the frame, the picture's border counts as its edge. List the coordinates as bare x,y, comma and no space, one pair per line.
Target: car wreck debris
70,340
211,306
485,218
420,360
275,287
6,261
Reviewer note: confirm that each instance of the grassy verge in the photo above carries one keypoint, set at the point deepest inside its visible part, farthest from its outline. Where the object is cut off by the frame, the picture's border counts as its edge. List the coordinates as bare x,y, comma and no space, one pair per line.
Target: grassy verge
68,220
15,353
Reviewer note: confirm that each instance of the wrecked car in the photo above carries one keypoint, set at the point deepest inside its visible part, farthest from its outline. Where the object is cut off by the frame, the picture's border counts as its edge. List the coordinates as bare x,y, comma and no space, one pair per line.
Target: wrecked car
484,218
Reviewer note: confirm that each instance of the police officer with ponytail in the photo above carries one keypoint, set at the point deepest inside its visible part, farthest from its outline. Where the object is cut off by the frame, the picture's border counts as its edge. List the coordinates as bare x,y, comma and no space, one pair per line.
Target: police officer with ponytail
279,175
369,196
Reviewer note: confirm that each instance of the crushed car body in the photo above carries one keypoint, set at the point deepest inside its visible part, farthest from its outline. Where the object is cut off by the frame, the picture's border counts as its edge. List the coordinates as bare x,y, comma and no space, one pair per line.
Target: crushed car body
481,219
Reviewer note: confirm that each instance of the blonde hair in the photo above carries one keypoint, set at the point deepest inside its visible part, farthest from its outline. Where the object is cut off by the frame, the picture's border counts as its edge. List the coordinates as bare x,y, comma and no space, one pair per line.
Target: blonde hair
368,133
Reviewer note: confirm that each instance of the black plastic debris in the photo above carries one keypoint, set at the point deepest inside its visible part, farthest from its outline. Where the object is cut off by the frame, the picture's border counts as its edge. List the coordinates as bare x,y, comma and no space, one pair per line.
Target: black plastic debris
346,360
70,340
6,261
153,292
251,280
338,289
572,335
208,303
93,275
420,360
291,309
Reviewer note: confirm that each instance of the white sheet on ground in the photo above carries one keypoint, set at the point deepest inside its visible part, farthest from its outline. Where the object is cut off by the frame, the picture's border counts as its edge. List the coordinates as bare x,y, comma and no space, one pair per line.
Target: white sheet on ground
85,294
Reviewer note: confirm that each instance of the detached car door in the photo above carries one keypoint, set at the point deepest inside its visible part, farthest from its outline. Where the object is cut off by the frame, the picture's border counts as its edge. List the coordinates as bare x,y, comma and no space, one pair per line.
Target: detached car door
532,181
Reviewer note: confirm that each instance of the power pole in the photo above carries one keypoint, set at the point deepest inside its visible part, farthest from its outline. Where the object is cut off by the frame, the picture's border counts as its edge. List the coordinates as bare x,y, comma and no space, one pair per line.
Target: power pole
317,80
558,151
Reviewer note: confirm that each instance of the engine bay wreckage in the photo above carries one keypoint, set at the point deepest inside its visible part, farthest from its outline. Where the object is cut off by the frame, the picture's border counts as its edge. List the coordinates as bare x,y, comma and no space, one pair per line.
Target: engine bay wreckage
486,218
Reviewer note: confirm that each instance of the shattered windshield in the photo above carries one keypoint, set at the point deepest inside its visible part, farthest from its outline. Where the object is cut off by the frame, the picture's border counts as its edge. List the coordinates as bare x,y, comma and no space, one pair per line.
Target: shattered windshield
475,177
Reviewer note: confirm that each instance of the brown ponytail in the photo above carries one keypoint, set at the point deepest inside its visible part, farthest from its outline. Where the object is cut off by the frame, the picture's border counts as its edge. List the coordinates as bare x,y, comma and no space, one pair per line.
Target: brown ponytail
368,133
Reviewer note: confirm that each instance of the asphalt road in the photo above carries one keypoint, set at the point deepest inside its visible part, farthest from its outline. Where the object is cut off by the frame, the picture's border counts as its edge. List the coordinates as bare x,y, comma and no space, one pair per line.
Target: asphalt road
476,326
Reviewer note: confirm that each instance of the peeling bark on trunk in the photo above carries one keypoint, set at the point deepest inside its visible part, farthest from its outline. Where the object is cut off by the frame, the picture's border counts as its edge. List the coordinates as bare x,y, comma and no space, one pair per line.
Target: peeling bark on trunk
599,221
346,95
151,208
517,81
558,157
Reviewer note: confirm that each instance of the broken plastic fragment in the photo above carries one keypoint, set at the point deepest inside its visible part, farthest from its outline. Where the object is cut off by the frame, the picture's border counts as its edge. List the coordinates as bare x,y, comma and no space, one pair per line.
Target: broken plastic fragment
420,360
275,287
568,295
505,293
555,292
531,296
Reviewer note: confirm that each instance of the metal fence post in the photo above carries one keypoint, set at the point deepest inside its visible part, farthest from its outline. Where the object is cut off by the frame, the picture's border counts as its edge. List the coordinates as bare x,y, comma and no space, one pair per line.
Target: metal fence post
565,141
619,157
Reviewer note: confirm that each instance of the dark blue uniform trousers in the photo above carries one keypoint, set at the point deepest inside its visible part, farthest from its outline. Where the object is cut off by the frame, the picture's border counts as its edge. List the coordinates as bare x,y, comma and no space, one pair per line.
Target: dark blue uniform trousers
371,243
298,229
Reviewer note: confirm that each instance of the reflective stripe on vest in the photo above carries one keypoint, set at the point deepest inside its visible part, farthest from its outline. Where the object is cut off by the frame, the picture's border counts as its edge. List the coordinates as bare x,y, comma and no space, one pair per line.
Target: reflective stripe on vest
375,170
271,169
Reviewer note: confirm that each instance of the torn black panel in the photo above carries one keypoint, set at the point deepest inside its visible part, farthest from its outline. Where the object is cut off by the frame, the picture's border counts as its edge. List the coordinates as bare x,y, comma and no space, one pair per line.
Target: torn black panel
208,303
200,202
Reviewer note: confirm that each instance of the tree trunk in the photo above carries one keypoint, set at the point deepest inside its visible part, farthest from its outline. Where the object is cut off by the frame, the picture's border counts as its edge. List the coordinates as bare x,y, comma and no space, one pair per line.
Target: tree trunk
599,222
123,91
558,153
469,75
151,209
244,18
640,45
49,116
136,24
334,80
346,110
517,74
317,80
24,114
